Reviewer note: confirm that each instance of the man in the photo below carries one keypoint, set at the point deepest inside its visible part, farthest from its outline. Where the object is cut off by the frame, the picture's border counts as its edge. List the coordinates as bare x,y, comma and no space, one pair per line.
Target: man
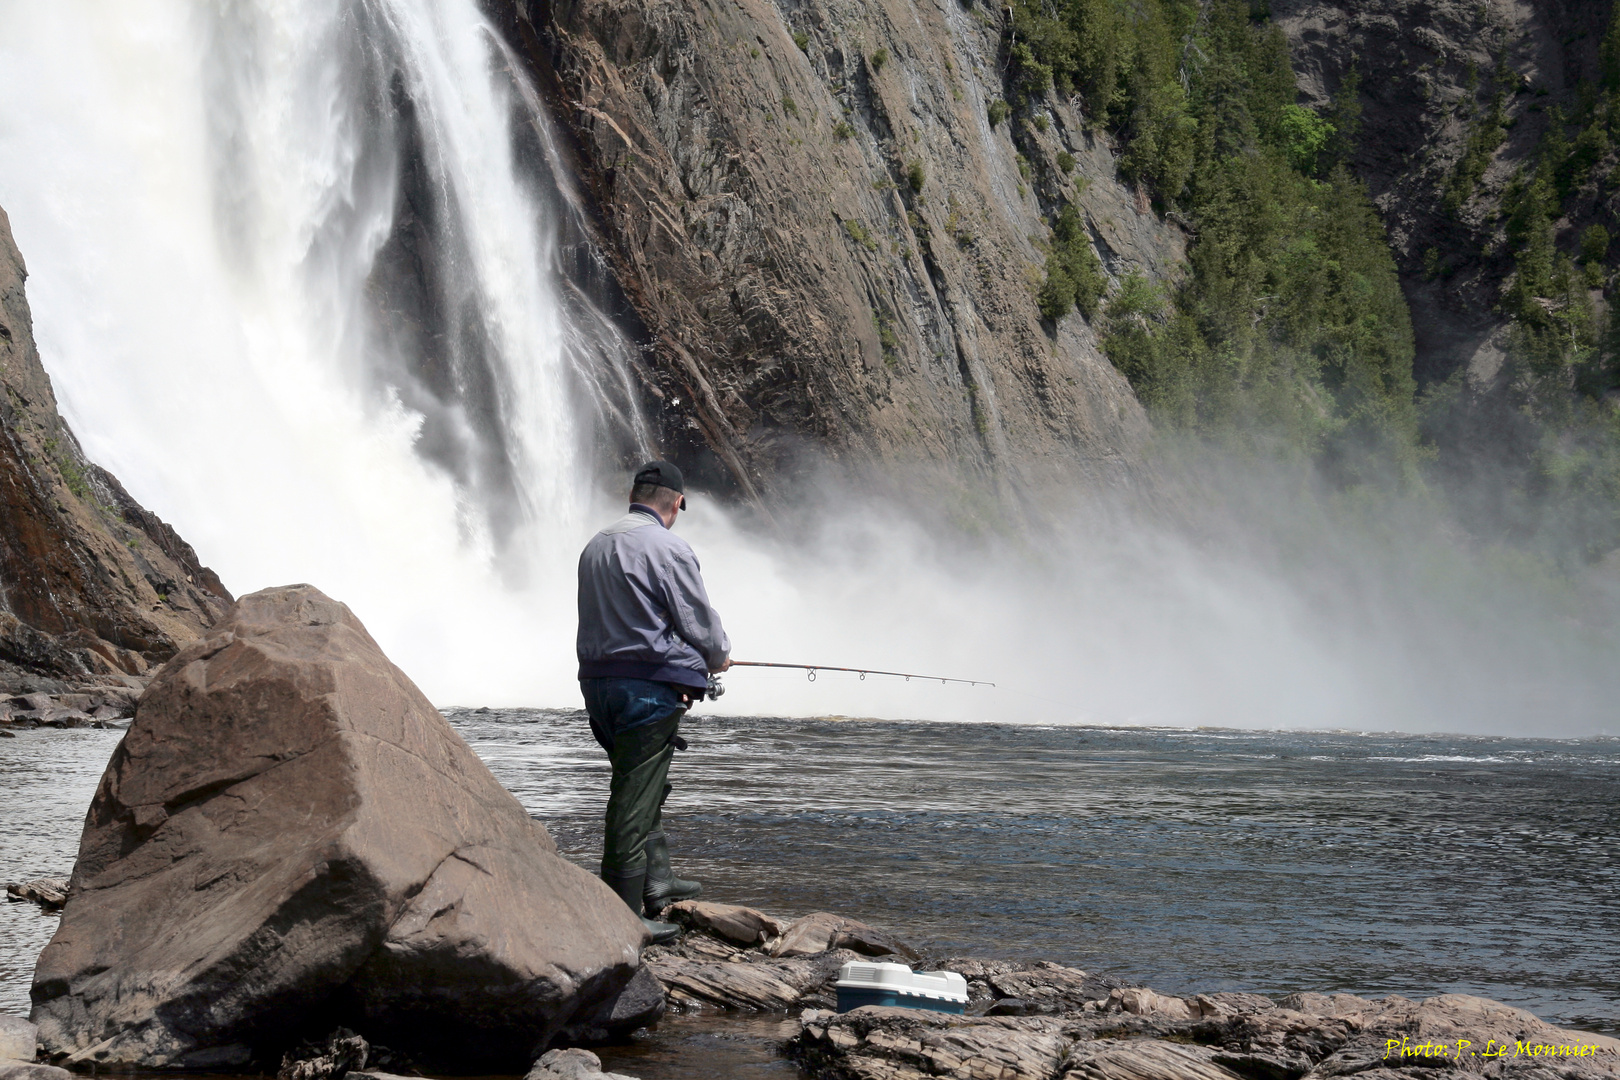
648,639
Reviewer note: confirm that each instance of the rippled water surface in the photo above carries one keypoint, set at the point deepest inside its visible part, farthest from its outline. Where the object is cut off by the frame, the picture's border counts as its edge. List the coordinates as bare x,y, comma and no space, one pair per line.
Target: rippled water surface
1185,860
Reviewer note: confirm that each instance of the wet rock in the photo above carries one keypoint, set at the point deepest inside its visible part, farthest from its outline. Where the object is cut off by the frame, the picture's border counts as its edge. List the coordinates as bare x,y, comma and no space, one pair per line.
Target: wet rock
1046,988
332,1060
739,925
291,836
67,718
758,987
48,893
571,1064
639,1004
18,1039
822,930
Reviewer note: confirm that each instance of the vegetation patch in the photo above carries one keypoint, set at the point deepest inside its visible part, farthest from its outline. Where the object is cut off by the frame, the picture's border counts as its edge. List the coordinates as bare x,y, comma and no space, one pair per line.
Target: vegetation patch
1074,277
858,233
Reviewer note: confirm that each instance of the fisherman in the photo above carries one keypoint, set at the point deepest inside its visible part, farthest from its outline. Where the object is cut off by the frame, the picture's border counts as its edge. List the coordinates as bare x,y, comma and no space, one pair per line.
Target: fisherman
648,639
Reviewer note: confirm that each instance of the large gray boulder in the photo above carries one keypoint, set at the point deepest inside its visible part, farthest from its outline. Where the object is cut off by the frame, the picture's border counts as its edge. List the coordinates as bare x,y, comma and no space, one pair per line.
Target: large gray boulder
291,837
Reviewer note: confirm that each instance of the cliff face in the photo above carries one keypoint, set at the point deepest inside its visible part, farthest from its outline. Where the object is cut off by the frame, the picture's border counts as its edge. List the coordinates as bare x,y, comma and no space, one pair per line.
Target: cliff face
1431,73
831,244
90,583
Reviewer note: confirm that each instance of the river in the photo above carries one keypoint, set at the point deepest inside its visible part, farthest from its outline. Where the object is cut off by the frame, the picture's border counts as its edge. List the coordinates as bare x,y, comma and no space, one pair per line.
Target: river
1188,860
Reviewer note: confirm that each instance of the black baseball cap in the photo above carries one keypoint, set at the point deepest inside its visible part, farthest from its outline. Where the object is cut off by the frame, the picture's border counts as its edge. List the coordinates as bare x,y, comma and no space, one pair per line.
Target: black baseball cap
661,474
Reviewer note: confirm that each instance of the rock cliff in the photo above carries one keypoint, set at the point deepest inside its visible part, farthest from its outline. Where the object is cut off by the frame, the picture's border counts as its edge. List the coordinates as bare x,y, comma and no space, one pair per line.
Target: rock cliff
1431,73
91,584
819,213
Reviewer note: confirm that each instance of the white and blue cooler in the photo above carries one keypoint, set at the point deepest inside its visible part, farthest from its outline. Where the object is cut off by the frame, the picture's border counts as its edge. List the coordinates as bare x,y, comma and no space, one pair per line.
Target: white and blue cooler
896,984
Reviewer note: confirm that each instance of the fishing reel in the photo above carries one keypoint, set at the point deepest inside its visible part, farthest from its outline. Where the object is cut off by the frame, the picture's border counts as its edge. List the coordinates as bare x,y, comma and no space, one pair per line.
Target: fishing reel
714,690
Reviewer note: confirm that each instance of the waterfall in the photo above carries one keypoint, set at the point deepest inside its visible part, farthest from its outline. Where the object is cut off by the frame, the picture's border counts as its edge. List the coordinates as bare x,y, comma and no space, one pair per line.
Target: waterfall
305,294
310,279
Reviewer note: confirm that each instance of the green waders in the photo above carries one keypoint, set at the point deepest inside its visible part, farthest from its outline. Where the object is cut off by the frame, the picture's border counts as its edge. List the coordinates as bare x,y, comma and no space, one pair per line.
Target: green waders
640,758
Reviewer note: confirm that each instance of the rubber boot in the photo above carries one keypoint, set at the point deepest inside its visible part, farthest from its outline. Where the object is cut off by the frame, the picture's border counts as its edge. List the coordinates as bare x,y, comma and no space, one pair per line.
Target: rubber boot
663,888
629,884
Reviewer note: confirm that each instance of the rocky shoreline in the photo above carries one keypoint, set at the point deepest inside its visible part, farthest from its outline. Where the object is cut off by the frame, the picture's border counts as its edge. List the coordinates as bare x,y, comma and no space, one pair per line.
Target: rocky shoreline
1042,1021
39,701
1025,1021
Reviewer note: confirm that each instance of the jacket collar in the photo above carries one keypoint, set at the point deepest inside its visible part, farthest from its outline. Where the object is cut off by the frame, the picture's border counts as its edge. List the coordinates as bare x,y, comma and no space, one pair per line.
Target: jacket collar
649,511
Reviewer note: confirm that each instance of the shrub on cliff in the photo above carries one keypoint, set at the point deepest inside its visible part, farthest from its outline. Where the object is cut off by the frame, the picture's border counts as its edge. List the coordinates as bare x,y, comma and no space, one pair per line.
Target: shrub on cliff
1073,275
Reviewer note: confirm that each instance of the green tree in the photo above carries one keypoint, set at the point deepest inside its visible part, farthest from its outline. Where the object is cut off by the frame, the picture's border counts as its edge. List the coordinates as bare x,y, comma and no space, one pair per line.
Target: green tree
1074,277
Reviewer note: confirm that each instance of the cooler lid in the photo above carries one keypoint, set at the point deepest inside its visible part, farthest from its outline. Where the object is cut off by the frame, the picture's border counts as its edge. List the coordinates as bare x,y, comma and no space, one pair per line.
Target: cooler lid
860,975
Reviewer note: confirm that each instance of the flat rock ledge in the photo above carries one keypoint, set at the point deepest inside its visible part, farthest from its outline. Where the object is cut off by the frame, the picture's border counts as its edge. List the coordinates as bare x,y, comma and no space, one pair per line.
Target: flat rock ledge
1043,1021
1136,1034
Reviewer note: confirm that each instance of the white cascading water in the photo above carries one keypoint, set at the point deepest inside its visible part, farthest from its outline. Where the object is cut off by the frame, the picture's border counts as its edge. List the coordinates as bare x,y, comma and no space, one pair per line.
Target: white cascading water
295,275
202,191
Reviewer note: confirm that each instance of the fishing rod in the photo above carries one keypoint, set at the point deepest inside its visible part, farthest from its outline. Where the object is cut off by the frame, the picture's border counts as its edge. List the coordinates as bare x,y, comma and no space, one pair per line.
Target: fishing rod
810,670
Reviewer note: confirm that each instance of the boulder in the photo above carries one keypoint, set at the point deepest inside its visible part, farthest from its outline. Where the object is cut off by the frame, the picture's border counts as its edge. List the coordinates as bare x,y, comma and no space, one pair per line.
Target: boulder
739,925
290,837
571,1064
343,1053
639,1004
822,930
18,1039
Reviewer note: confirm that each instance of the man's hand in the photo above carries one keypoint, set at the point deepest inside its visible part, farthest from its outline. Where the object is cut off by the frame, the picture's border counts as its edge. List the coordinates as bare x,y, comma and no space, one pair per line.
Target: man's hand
724,667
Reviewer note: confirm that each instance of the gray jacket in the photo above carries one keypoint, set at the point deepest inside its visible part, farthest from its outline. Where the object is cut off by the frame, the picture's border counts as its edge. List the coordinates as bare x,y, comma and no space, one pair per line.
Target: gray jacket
643,611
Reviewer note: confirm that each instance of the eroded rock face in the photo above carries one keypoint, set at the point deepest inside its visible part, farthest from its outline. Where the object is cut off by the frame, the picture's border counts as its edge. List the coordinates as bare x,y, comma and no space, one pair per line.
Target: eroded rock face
91,584
836,249
290,836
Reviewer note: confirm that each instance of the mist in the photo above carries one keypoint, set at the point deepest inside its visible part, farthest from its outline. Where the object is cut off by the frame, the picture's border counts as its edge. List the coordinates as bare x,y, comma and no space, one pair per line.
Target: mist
204,318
